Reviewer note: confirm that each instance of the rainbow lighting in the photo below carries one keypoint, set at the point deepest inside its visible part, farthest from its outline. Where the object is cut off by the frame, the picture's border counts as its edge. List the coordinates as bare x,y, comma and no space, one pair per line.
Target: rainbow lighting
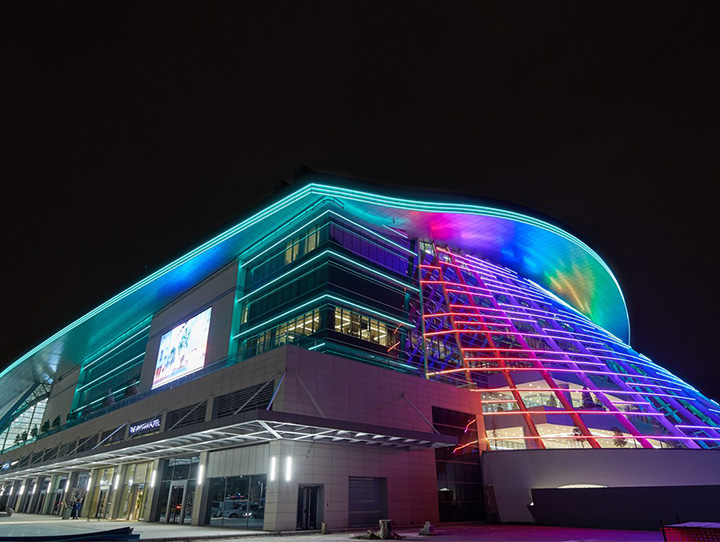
549,377
511,307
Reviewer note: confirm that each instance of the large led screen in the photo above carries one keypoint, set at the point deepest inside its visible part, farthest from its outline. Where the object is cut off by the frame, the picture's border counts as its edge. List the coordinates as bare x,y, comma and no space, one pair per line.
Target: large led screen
182,349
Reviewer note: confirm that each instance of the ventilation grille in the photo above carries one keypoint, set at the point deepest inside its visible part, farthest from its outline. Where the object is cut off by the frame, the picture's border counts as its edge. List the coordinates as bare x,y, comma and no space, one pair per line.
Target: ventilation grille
65,449
114,435
189,415
227,405
88,444
51,453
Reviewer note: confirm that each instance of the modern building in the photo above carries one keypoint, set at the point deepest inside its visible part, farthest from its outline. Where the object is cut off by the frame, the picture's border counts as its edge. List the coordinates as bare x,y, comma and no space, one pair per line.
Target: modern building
347,353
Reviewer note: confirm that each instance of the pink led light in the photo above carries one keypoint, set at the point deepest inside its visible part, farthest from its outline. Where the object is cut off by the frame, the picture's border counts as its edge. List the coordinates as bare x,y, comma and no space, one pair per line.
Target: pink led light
562,411
574,437
472,323
610,392
550,369
593,342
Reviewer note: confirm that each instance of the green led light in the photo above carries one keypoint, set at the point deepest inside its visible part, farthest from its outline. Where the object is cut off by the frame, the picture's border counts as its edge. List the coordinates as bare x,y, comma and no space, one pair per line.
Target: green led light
460,208
85,367
337,255
323,190
108,375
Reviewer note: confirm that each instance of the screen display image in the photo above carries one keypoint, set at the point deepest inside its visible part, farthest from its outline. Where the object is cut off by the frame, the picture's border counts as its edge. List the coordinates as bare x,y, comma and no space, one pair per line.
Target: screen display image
182,349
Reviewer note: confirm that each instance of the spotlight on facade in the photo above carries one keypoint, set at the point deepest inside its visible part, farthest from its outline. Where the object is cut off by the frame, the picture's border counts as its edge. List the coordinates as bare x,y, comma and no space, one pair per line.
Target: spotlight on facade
288,468
273,469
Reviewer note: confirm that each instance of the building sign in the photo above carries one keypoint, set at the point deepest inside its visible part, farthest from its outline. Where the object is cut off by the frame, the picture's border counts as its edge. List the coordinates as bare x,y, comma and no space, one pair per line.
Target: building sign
146,426
182,349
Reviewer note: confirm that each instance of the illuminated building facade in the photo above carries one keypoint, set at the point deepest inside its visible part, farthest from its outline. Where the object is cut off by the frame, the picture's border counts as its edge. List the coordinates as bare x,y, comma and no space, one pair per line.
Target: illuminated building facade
343,355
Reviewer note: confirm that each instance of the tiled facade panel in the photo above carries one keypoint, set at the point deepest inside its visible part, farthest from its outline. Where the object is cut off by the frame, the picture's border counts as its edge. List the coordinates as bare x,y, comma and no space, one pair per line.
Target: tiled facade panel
358,392
411,486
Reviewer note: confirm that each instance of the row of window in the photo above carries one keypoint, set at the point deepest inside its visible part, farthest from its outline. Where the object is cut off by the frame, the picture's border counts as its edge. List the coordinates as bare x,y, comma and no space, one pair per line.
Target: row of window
363,327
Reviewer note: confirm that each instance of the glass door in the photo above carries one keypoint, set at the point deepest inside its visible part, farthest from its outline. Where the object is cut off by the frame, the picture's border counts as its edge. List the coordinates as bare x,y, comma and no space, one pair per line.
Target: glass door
102,499
139,502
176,503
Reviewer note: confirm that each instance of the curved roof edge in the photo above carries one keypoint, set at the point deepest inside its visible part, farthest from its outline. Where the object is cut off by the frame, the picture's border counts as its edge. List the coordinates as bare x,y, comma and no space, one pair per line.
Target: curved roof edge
411,209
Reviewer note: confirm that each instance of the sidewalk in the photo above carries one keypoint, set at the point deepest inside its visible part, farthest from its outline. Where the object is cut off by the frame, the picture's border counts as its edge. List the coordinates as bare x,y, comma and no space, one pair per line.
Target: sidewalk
37,525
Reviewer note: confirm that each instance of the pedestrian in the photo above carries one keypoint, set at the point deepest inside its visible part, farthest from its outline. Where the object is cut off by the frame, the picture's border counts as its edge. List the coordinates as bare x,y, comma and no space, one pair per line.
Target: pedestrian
76,509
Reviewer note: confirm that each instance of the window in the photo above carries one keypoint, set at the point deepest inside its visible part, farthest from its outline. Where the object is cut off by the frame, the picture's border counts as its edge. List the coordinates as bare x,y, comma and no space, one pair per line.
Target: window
363,327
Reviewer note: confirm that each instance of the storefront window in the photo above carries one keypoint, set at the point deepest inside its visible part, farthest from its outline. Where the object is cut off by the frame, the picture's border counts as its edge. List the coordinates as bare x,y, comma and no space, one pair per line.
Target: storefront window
236,501
132,500
177,490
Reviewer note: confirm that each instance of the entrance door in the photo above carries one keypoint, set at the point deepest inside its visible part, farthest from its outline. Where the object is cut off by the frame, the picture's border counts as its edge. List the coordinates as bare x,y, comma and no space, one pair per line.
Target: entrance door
176,503
40,502
56,503
102,502
307,514
138,502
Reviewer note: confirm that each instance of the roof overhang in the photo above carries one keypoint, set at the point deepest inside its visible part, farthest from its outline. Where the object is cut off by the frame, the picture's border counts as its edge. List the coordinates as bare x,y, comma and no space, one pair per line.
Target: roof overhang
537,249
244,429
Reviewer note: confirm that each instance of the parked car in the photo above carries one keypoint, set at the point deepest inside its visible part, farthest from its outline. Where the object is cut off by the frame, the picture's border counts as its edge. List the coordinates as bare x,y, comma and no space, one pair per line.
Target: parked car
255,511
233,509
227,509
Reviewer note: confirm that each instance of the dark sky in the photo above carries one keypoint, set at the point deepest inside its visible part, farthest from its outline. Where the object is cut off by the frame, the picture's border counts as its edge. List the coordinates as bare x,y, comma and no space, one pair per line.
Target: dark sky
134,131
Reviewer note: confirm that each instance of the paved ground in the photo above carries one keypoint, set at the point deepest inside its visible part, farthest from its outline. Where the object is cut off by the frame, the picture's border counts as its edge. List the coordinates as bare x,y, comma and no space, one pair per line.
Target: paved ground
35,525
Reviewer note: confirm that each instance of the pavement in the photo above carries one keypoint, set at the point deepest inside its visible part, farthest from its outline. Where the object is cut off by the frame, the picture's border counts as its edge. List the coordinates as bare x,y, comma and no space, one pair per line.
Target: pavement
38,525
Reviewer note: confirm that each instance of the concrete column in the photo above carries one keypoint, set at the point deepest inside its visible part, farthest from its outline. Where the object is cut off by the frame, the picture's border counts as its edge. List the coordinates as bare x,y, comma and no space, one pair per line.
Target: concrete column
90,501
281,494
201,490
116,494
51,492
152,498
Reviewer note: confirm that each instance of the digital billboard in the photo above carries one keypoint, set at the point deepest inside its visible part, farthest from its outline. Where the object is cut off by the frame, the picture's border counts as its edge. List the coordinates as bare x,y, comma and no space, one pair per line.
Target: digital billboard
182,349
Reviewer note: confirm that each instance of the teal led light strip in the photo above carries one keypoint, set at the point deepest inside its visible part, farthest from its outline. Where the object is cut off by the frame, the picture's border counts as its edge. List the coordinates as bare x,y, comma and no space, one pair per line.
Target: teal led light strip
376,234
327,191
110,374
115,348
336,255
462,208
272,209
318,217
325,297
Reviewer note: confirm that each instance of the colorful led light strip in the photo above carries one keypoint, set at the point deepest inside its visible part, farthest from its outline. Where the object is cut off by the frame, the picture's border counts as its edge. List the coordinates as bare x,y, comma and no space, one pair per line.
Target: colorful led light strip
466,323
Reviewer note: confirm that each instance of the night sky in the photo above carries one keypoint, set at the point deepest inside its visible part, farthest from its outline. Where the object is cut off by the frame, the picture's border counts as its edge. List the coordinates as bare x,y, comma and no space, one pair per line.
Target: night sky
135,131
